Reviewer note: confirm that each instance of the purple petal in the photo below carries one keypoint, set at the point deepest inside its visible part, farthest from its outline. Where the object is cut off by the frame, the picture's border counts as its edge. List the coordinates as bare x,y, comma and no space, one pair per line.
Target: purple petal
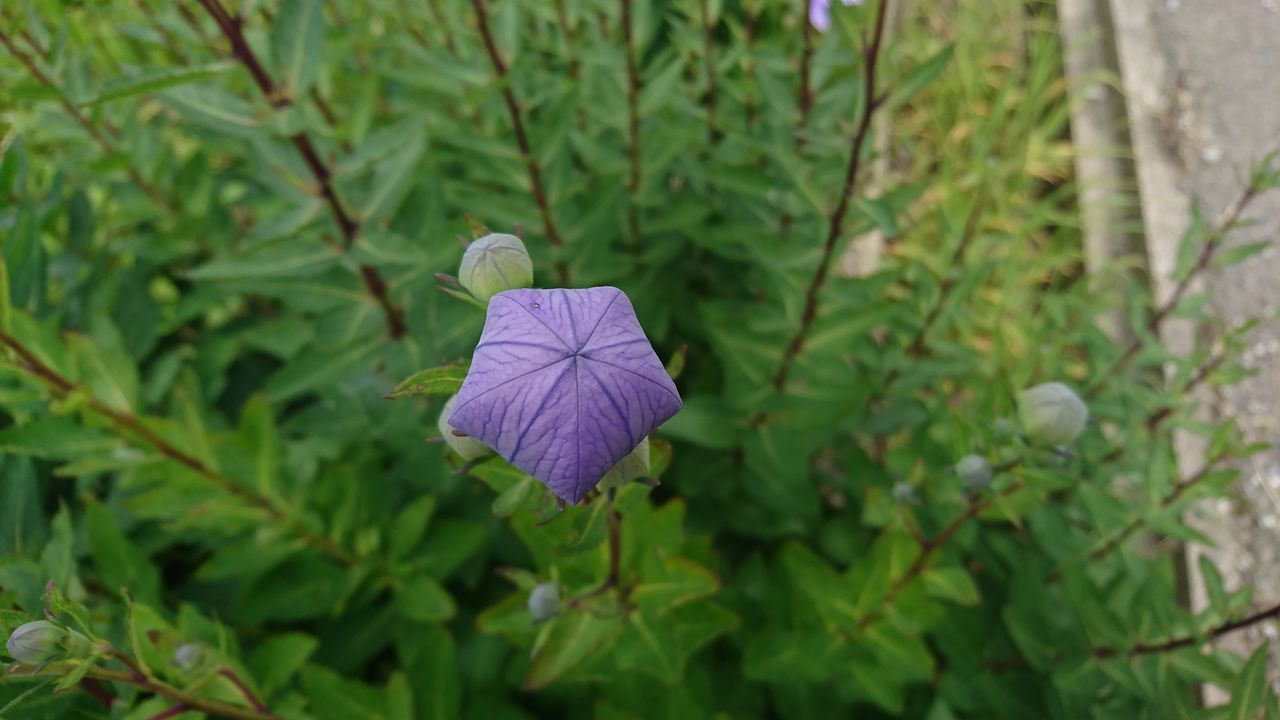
820,14
564,384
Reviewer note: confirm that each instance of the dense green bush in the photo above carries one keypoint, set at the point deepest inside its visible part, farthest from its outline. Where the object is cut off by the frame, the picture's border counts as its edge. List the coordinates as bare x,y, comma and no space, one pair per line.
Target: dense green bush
222,224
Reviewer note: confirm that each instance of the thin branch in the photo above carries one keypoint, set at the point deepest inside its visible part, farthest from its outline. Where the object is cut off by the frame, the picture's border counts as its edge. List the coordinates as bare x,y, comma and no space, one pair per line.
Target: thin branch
522,139
871,103
125,423
749,68
1177,643
708,57
633,127
348,225
214,708
98,137
244,690
1226,222
1168,500
927,549
443,22
918,345
804,99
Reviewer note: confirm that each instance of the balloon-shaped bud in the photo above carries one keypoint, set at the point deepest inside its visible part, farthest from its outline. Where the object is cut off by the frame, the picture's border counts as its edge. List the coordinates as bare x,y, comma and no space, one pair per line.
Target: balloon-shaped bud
41,641
544,601
495,263
467,448
903,493
1052,414
974,471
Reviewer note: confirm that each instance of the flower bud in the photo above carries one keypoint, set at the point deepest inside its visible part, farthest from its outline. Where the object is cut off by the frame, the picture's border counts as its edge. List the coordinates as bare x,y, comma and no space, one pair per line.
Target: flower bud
903,493
495,263
36,643
1052,414
544,601
467,448
189,656
634,465
974,471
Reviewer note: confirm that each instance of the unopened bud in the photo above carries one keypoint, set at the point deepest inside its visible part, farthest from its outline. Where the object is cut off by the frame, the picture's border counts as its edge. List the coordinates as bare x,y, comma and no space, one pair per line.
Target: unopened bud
189,656
903,493
544,601
41,641
1052,414
974,471
495,263
467,448
632,467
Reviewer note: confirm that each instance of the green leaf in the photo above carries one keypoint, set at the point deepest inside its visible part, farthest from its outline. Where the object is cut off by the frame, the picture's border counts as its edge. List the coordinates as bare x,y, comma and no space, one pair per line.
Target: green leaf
149,81
920,77
445,380
334,697
1250,691
423,598
571,640
297,43
121,564
952,583
277,659
391,180
410,525
55,437
663,646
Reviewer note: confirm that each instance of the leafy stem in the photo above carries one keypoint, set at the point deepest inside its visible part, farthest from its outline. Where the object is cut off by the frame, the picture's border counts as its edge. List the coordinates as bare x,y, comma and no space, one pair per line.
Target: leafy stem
1227,221
633,127
1176,643
871,102
183,698
125,424
347,223
522,138
97,135
708,58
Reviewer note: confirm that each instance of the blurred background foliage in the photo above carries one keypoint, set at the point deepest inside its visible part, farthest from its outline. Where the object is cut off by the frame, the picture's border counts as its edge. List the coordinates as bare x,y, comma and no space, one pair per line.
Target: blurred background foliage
221,227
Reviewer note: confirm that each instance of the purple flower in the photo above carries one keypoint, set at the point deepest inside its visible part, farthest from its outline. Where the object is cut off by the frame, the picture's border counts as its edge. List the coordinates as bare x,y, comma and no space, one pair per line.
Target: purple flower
820,12
564,384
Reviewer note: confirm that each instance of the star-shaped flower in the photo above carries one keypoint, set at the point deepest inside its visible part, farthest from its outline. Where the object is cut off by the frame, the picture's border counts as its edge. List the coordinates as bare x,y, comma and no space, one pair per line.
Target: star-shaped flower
564,384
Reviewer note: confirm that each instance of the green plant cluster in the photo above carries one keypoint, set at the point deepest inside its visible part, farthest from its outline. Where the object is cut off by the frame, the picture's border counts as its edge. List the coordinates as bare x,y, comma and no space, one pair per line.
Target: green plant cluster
222,224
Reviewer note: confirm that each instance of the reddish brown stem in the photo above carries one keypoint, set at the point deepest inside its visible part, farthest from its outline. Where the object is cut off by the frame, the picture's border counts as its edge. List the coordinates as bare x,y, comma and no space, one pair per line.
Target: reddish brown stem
348,225
1178,643
871,103
708,57
95,134
928,548
804,99
522,138
633,127
254,701
1213,242
125,423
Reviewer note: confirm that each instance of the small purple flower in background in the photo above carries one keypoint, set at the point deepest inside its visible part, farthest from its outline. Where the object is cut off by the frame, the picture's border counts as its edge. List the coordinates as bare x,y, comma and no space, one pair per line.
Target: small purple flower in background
820,12
564,384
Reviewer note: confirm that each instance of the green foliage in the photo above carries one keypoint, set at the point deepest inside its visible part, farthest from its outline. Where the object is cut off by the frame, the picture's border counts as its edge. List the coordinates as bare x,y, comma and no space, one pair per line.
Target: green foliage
219,268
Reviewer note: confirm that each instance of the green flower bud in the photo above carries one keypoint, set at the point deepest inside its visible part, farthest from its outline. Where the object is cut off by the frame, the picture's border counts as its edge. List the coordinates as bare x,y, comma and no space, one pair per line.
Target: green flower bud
495,263
467,448
974,471
1052,414
634,465
544,601
41,641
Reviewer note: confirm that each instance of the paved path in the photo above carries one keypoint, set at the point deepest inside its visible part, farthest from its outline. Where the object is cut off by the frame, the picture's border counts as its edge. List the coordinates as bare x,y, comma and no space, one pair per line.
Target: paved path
1203,85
